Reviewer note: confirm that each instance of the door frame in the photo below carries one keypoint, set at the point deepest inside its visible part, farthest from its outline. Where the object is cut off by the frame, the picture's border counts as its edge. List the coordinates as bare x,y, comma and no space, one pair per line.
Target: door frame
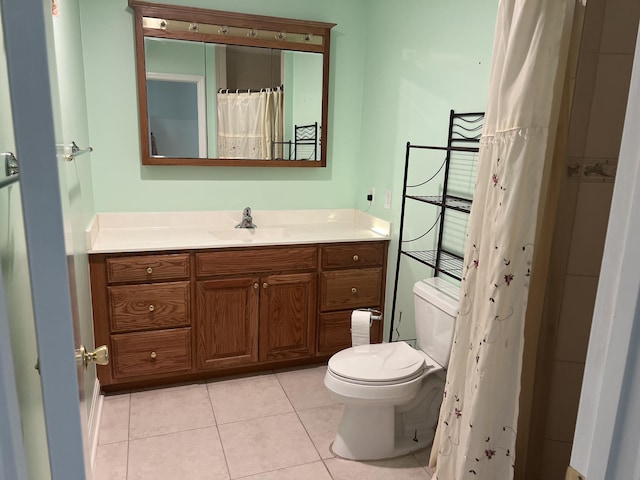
201,104
28,72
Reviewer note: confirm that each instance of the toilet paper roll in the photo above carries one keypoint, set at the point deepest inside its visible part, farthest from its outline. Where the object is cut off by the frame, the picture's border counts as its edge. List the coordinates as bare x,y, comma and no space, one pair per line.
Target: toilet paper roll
360,327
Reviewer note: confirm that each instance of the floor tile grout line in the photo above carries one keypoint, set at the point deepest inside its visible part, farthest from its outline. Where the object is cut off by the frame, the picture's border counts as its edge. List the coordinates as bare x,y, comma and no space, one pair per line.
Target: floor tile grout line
126,474
276,470
256,418
164,434
285,392
213,410
326,467
309,436
324,464
319,406
306,408
224,453
261,416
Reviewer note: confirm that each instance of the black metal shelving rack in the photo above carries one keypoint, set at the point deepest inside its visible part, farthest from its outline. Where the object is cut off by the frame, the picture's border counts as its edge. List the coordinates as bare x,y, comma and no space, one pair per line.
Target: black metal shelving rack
465,129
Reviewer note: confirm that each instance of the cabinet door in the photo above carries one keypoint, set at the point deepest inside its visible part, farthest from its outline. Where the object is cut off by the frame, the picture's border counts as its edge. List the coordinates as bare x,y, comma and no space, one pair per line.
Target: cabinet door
334,332
227,322
287,316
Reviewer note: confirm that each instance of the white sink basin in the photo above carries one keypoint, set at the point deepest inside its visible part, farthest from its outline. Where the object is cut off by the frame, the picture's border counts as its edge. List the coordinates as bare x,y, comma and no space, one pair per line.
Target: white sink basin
248,234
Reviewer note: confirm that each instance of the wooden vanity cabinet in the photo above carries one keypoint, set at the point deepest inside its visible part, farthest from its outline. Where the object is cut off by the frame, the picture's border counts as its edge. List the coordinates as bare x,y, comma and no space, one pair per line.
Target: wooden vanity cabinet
190,314
352,276
227,322
288,316
142,312
271,314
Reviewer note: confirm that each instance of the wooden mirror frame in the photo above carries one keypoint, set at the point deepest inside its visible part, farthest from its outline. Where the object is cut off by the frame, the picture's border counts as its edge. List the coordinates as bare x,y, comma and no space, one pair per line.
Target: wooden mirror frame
204,26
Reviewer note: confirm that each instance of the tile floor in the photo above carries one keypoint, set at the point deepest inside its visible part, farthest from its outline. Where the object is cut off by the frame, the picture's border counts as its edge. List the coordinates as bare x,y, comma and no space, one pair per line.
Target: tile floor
273,426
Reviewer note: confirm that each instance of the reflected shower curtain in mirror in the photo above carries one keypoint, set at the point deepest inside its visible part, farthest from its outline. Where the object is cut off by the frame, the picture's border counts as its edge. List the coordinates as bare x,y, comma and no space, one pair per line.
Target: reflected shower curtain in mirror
248,124
476,433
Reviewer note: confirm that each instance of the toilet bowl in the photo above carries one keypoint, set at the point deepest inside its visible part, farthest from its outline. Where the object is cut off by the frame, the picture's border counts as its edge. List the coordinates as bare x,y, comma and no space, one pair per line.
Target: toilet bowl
391,391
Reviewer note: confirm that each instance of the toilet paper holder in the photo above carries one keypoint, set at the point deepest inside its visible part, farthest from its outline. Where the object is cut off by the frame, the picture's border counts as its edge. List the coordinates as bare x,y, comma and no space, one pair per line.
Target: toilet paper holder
375,314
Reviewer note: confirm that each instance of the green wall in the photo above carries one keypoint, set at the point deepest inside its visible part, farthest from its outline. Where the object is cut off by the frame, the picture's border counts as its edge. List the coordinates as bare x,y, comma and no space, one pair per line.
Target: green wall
122,184
424,58
397,68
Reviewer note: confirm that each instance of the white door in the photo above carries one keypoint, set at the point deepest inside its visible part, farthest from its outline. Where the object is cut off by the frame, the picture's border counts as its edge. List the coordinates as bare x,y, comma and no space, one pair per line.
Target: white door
23,29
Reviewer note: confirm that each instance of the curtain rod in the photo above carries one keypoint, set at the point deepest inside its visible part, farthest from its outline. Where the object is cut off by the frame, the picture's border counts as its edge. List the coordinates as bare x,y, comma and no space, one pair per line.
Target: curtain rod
250,90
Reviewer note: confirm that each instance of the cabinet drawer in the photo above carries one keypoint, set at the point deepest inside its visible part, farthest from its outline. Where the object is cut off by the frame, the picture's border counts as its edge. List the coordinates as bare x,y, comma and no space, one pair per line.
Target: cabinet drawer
254,260
149,353
334,332
148,268
348,289
353,255
140,307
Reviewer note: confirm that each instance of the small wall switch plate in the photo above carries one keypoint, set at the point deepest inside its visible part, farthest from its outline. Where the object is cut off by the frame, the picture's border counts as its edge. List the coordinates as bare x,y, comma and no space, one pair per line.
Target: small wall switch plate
387,199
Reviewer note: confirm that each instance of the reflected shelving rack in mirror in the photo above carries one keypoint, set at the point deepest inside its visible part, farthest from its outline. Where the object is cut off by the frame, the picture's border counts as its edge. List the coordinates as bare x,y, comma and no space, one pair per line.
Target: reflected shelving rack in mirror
230,89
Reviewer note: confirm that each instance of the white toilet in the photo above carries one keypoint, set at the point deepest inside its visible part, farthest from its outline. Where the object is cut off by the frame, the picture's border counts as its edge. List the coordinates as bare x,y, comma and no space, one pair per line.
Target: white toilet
391,391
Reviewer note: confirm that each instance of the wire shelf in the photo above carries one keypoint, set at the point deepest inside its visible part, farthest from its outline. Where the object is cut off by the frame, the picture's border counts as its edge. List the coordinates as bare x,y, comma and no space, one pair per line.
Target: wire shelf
450,263
455,203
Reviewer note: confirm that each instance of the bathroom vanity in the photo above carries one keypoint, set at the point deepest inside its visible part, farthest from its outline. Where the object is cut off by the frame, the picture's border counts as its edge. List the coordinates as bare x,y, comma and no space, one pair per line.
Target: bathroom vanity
229,303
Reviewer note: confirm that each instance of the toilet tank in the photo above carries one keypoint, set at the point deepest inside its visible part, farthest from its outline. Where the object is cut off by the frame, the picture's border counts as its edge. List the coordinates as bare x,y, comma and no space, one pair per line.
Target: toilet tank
436,307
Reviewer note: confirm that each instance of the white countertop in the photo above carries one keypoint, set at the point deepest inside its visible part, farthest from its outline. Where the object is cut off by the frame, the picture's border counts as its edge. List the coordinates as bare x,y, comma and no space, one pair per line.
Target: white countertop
139,232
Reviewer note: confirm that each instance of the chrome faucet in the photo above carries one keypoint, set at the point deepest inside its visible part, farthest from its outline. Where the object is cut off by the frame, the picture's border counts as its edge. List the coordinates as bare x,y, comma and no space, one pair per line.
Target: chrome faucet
247,220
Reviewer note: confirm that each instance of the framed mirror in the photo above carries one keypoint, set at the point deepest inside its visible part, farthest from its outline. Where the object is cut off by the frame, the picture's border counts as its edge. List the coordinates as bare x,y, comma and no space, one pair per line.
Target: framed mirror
222,88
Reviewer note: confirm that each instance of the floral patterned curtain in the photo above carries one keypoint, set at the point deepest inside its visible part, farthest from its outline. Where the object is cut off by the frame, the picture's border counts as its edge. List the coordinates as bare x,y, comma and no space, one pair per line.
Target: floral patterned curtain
476,431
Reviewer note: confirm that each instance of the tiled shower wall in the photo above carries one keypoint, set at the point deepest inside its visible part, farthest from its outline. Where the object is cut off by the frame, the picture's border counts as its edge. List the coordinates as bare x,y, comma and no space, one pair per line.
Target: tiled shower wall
597,118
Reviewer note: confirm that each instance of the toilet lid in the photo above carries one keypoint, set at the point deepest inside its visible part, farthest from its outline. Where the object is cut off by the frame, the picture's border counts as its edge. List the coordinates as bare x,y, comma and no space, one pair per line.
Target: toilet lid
380,362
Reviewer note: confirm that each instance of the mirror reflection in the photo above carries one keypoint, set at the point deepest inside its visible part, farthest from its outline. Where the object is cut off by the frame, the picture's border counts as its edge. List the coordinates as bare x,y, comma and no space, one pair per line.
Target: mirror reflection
208,100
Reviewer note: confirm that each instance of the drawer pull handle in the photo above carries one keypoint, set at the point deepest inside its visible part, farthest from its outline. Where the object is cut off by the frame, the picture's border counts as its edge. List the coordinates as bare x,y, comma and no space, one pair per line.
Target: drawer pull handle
151,308
354,290
153,355
255,285
265,285
149,270
355,258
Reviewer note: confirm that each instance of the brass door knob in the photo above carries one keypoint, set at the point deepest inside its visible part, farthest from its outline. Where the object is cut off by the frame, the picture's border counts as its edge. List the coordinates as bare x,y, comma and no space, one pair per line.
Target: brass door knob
265,285
153,355
355,258
151,308
100,356
149,270
255,285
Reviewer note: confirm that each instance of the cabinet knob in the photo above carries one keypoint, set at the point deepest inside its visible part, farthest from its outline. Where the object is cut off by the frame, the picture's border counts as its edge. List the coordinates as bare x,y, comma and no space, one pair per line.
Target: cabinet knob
355,258
153,355
255,285
149,270
151,308
354,290
265,285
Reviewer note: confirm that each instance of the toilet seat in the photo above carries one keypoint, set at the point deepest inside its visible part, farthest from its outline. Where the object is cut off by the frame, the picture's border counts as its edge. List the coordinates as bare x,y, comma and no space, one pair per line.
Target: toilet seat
379,364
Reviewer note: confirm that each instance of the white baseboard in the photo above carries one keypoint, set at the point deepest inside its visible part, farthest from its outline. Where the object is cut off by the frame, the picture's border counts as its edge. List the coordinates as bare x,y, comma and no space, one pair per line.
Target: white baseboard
95,414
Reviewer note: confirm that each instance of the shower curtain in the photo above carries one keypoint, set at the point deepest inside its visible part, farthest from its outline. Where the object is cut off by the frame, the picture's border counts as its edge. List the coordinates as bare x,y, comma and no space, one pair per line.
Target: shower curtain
249,123
476,433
